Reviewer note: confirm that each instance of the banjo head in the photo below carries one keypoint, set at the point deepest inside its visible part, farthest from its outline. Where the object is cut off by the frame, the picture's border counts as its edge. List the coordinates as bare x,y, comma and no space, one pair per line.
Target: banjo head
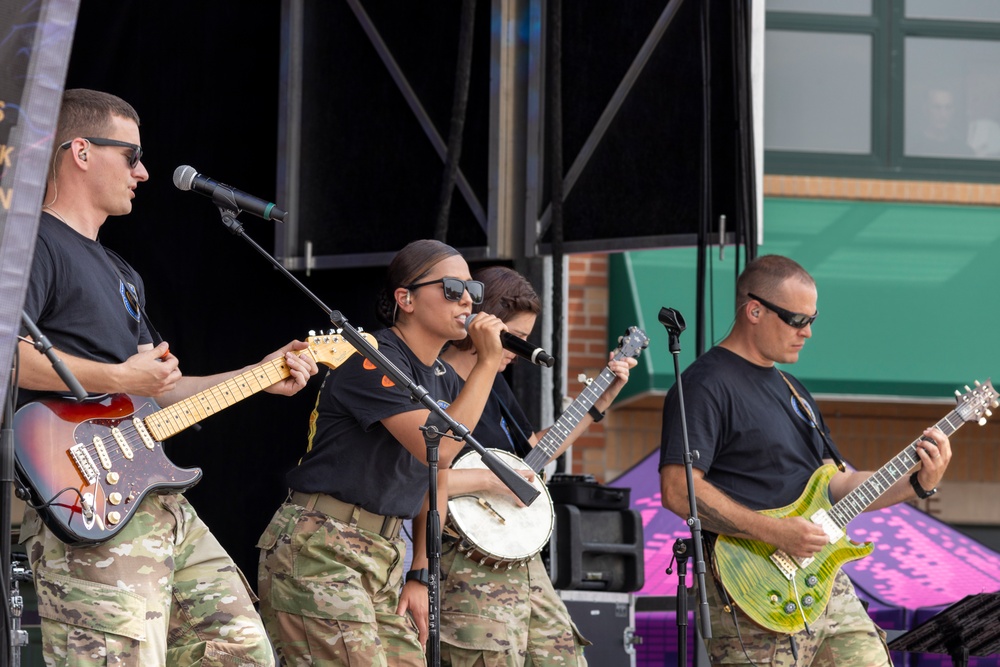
499,529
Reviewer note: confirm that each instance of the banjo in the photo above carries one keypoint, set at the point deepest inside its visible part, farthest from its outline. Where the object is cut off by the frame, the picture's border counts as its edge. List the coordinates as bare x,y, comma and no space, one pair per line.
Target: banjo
492,528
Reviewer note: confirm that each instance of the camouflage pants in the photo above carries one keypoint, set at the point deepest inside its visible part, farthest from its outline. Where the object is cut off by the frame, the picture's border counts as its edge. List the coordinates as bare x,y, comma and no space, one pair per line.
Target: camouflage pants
843,635
161,592
504,618
329,593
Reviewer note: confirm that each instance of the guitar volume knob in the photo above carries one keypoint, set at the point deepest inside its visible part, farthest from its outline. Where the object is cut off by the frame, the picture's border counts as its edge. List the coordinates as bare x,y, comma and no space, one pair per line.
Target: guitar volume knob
790,607
114,518
812,580
808,600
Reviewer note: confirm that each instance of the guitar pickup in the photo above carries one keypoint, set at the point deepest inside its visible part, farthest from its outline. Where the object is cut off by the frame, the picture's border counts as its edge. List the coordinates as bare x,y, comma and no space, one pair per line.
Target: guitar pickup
823,519
122,443
140,428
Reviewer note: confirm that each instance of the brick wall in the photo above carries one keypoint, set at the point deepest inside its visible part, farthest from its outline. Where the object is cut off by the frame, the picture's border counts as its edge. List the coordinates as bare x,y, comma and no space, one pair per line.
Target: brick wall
868,434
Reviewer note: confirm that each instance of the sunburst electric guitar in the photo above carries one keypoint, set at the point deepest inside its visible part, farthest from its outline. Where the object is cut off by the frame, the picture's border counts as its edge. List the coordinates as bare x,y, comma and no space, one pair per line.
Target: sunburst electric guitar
89,464
783,593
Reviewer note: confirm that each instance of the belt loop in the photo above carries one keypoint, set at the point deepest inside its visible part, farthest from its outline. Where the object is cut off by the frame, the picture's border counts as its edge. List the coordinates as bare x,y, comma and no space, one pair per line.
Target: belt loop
310,504
355,515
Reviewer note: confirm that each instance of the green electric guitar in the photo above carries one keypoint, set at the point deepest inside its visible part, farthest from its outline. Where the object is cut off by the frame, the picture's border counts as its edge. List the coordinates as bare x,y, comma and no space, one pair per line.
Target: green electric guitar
783,593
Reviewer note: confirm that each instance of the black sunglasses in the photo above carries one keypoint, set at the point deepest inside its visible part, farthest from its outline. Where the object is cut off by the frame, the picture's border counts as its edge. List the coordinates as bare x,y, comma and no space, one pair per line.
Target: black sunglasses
794,320
133,159
455,288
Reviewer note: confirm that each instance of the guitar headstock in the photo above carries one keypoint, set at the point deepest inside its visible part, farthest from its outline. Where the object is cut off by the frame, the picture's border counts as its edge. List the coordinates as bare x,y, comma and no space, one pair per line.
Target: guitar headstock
632,343
333,349
975,405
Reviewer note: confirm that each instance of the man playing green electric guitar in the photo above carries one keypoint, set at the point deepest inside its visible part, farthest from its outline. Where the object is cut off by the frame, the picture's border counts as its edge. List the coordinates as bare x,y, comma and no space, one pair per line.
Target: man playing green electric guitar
779,596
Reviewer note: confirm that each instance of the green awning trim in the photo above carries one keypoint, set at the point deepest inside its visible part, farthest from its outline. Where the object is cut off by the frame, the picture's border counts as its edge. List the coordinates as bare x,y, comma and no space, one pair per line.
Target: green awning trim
906,297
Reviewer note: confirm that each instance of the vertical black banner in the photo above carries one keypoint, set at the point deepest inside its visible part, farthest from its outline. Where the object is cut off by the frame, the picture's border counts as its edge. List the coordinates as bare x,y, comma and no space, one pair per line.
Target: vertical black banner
35,41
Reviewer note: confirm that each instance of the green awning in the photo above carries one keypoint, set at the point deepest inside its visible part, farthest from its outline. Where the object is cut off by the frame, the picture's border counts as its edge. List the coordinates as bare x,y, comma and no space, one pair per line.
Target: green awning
906,297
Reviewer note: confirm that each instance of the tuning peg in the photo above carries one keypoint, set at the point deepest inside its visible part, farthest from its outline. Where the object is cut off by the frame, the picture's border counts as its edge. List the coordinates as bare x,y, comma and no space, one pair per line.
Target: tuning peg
976,382
312,332
982,421
989,413
582,377
968,388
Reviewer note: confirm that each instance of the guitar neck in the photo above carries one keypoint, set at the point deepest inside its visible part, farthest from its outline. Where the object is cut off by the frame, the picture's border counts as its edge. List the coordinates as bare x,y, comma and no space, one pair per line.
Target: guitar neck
175,418
568,421
866,493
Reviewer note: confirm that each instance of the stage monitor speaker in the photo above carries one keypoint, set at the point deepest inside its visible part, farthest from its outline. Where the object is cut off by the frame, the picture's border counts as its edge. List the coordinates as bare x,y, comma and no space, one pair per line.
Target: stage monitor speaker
597,550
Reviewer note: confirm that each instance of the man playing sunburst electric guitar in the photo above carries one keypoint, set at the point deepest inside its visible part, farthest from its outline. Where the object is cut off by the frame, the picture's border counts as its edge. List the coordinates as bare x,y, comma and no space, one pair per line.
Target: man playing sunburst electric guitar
162,590
762,444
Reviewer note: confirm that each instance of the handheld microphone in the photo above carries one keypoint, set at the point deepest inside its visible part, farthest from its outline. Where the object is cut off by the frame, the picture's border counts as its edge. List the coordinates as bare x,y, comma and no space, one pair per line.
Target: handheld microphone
520,347
187,177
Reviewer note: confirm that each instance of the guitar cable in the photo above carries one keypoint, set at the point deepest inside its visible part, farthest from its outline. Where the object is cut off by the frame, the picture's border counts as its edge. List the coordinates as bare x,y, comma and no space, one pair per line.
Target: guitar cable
731,609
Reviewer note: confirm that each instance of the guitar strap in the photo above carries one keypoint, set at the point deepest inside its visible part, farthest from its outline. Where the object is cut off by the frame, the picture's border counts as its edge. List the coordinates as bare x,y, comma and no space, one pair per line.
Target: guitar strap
522,445
806,410
112,257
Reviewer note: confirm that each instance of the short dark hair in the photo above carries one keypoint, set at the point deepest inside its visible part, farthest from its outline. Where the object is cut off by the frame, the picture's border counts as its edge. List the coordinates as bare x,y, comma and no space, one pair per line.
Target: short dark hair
764,276
88,113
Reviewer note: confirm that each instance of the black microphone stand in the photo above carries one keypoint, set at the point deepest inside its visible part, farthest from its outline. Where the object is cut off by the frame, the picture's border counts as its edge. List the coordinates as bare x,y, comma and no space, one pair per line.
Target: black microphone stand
438,422
13,602
674,323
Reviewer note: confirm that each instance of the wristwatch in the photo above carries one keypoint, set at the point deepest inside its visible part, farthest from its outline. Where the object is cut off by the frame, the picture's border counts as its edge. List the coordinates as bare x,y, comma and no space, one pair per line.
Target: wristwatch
420,575
596,414
922,493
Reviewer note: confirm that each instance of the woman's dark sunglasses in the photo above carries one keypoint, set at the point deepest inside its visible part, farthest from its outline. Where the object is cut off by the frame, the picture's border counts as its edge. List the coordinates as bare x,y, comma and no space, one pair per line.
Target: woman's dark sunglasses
455,288
133,158
794,320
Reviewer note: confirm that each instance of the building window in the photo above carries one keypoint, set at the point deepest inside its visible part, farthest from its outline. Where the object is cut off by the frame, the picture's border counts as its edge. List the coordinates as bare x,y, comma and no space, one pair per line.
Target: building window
897,89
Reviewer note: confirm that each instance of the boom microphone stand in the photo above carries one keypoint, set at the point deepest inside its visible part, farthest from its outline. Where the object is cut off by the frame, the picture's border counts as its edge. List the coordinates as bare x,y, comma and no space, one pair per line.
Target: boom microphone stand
674,323
438,422
13,602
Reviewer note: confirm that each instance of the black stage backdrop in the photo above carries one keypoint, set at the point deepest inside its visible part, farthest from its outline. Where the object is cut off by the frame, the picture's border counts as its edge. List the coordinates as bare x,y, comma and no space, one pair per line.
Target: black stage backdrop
203,77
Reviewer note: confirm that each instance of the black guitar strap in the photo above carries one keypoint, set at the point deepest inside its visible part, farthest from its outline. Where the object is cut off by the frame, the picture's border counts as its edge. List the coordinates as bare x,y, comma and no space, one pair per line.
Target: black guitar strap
114,259
806,410
522,445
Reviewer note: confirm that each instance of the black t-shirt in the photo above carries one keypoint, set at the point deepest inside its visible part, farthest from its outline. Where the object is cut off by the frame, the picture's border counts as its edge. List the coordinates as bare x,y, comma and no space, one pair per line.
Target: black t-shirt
83,297
351,455
752,439
494,430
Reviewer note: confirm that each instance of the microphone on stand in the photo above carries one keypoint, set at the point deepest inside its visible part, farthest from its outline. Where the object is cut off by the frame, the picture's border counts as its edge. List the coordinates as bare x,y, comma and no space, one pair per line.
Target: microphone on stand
520,347
187,177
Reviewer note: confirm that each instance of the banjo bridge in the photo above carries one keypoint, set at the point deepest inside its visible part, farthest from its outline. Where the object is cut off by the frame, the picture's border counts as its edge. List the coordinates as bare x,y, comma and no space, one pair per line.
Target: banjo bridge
485,504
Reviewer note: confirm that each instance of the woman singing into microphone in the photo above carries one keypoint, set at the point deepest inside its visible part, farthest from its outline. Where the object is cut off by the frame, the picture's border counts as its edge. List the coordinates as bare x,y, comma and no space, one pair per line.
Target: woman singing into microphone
521,620
331,560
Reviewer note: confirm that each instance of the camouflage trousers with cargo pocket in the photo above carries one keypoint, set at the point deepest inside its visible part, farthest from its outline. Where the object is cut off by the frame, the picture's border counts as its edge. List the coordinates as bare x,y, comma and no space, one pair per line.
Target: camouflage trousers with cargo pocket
162,591
504,618
329,593
844,635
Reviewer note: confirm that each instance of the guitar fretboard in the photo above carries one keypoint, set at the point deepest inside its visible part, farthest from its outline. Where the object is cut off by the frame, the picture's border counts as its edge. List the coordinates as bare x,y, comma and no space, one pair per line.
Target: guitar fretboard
175,418
568,420
866,493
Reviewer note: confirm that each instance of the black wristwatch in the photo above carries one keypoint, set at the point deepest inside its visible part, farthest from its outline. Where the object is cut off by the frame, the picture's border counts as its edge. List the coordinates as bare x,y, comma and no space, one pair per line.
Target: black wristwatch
420,575
922,493
596,414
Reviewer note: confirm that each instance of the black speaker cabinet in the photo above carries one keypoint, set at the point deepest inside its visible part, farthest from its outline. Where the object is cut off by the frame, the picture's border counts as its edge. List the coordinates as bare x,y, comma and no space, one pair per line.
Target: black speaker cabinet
596,550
